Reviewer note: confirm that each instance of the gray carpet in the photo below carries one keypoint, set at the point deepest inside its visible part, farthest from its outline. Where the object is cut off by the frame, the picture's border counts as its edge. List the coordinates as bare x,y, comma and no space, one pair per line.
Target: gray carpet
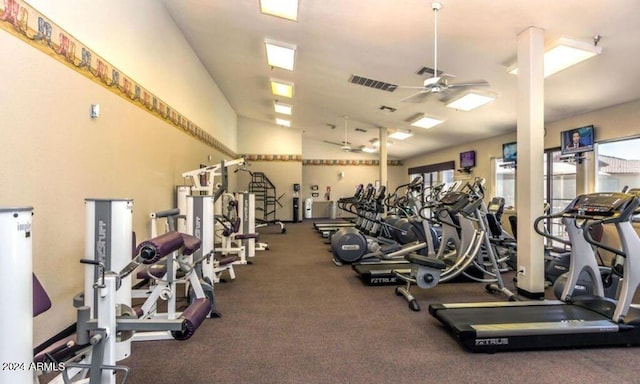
294,317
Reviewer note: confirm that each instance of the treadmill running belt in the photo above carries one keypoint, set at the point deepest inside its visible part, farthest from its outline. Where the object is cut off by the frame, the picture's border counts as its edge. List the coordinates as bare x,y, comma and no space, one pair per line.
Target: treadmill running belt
531,325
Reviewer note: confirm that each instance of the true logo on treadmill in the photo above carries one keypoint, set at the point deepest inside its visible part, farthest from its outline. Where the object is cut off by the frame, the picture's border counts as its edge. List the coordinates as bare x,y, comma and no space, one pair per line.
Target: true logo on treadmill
494,341
382,280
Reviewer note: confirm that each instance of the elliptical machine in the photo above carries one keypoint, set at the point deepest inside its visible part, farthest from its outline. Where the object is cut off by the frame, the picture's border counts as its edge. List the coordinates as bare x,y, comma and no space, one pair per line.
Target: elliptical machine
374,239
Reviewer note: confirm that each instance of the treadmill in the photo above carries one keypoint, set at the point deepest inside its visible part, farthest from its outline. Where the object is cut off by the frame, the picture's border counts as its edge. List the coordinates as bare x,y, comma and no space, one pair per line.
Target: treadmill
586,321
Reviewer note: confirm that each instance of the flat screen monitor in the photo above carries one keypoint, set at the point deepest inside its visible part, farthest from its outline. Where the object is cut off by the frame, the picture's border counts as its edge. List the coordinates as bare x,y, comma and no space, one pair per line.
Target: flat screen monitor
468,159
509,152
577,140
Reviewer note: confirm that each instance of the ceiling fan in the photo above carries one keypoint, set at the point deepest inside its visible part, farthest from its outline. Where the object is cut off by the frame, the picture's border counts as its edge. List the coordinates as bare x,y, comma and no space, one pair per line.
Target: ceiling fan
346,145
438,83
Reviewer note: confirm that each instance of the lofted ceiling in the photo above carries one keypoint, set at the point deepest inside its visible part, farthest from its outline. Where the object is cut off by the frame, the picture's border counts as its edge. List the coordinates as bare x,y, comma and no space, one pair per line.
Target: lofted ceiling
389,41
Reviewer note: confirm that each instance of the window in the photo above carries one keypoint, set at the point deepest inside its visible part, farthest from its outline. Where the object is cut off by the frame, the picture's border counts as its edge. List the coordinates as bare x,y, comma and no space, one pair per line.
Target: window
559,185
505,185
560,190
618,165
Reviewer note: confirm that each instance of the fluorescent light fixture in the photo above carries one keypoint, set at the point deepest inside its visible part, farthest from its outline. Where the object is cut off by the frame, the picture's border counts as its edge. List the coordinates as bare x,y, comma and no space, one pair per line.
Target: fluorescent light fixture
287,9
283,122
282,88
376,143
470,100
564,53
284,109
426,122
280,55
401,134
368,150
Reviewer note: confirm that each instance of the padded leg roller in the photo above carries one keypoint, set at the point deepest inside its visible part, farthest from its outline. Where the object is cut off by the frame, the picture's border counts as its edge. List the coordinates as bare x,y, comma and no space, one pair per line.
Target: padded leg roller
193,317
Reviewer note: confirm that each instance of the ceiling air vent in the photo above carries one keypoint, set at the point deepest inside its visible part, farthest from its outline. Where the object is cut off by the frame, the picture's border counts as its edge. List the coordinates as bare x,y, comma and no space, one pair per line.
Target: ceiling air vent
386,108
381,85
427,71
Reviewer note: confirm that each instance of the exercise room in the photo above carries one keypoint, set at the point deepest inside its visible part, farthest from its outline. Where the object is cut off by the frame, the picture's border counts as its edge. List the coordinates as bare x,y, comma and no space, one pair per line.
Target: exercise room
303,191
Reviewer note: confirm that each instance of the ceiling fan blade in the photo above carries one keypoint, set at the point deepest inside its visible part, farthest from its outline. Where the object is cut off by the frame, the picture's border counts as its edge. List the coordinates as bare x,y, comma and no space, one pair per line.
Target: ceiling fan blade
417,97
478,83
335,143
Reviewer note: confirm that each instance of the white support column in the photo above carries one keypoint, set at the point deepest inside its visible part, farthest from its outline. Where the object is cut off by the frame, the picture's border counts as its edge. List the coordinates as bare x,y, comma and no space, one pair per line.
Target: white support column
530,172
383,156
585,174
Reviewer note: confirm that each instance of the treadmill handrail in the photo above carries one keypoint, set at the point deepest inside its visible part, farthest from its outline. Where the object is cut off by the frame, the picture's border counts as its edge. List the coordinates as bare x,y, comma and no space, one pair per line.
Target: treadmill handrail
545,233
625,215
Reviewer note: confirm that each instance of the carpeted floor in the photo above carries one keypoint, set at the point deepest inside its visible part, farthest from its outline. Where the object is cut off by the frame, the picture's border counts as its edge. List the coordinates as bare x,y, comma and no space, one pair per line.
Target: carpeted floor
294,317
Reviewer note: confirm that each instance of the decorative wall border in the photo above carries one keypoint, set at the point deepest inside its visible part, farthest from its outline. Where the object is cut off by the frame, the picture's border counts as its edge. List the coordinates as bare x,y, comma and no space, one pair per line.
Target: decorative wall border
351,162
18,17
259,157
298,158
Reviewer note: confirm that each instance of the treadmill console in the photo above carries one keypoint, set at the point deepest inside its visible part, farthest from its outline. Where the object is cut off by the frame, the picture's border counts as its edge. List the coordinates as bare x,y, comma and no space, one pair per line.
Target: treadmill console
599,204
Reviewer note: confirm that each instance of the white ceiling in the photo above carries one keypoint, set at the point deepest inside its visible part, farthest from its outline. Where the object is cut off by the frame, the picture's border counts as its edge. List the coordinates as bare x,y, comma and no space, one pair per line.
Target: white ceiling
389,40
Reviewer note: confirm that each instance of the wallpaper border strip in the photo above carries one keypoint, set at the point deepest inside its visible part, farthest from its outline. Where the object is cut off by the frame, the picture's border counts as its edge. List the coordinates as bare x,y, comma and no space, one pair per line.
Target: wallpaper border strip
17,18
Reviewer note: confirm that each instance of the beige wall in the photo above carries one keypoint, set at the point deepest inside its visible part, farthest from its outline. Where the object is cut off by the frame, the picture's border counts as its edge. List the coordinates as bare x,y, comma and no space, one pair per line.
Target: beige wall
486,150
329,176
290,142
610,123
142,41
54,156
260,138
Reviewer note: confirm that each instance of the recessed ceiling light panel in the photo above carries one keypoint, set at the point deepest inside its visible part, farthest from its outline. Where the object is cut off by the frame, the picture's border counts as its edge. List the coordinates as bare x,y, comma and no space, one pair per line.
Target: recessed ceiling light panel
280,55
283,122
282,88
284,109
470,101
426,122
562,54
287,9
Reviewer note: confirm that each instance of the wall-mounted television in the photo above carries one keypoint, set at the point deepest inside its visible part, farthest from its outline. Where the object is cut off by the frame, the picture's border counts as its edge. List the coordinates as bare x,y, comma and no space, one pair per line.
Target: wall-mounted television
509,152
468,159
577,140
